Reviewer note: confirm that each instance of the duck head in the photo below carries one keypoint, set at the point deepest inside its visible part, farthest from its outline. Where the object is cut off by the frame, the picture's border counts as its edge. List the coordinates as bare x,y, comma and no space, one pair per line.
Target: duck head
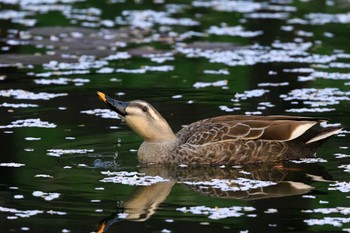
142,118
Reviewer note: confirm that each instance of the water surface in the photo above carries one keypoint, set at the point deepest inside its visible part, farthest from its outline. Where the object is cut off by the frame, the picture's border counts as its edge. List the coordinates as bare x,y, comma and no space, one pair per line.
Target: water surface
68,164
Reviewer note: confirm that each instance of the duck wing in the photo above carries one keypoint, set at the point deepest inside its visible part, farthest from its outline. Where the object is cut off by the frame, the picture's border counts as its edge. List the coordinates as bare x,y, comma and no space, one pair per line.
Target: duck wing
233,127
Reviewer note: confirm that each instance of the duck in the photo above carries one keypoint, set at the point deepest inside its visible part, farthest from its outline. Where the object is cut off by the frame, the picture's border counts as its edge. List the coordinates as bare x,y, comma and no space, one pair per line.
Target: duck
221,140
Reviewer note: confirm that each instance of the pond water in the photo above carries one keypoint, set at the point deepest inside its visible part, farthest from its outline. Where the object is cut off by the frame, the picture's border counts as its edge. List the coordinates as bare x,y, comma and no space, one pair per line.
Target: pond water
67,163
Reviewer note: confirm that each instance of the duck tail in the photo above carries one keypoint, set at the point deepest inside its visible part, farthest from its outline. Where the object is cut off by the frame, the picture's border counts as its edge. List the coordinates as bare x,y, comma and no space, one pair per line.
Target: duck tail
326,133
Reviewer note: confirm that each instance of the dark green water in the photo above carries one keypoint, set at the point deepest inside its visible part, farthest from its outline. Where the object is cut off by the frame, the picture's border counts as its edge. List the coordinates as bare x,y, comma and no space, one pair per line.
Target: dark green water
191,60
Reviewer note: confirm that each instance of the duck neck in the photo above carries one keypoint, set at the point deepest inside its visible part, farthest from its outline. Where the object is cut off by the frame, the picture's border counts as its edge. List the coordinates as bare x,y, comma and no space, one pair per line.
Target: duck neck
152,131
161,133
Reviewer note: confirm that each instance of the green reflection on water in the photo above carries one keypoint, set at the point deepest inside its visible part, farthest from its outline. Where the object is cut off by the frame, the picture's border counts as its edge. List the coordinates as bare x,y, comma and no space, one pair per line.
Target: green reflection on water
77,184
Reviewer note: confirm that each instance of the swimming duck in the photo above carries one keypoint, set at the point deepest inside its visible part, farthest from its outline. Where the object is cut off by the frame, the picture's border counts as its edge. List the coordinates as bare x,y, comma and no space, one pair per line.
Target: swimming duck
228,139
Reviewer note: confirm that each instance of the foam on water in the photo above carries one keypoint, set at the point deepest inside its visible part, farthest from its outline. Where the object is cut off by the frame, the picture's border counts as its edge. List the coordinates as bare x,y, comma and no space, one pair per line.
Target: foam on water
228,109
43,176
337,210
232,31
85,62
317,99
220,72
333,221
230,6
277,15
60,152
273,84
32,139
309,160
29,123
27,95
308,110
341,156
240,184
118,56
161,57
284,52
218,213
46,196
104,113
323,18
62,81
346,167
19,213
11,165
145,69
340,186
221,83
249,94
149,18
22,105
131,178
325,75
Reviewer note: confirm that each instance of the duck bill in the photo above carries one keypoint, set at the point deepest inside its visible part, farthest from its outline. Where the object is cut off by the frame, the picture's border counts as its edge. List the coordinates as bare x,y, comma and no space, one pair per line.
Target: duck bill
115,105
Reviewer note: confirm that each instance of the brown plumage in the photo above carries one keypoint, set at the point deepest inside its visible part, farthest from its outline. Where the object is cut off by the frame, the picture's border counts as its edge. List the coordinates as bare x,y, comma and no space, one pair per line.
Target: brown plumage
230,139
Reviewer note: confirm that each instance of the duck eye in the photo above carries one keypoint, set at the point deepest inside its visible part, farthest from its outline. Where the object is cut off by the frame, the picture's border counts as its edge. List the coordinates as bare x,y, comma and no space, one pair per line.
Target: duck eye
144,109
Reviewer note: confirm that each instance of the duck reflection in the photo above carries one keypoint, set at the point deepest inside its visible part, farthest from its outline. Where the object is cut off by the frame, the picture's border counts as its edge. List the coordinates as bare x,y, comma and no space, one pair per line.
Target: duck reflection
248,182
140,206
144,201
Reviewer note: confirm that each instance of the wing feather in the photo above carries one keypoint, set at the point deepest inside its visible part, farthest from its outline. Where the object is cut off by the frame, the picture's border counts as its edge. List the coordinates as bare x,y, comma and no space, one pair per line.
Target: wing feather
277,128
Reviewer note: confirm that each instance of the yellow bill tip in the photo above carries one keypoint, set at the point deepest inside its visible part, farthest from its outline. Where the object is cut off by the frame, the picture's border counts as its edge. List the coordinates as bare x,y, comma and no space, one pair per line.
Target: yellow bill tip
102,96
103,225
